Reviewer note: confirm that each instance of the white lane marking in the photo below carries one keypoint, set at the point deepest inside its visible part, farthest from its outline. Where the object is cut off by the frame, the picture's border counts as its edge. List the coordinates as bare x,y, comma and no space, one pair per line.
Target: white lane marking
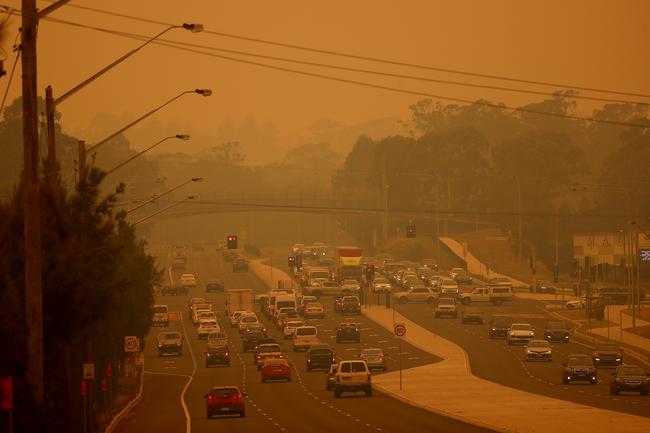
188,420
382,341
162,373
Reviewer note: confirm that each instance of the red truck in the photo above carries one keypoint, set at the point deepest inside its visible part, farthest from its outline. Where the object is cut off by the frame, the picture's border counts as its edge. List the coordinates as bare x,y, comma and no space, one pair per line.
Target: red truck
348,263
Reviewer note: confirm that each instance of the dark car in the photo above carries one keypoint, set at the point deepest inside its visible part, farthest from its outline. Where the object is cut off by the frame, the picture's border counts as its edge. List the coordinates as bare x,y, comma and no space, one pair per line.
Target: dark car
217,355
350,305
545,287
607,354
319,356
214,285
348,332
579,368
471,315
338,304
630,378
499,325
251,338
463,278
223,400
557,331
240,265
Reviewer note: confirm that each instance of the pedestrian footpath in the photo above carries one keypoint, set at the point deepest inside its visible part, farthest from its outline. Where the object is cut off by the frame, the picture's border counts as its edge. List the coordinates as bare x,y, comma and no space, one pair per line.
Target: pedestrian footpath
449,388
474,265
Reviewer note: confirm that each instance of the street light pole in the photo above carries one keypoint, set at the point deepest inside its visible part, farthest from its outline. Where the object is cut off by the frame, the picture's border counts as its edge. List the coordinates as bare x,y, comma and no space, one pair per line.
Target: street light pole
51,103
203,92
156,197
191,197
183,137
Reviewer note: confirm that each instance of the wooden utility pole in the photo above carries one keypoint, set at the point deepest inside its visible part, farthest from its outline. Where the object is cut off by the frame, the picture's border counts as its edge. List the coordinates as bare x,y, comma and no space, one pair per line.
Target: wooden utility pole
52,165
32,225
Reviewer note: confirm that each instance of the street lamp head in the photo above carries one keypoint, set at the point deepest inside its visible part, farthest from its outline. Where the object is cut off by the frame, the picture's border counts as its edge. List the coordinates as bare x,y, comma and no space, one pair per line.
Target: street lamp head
204,92
194,28
183,137
190,197
197,179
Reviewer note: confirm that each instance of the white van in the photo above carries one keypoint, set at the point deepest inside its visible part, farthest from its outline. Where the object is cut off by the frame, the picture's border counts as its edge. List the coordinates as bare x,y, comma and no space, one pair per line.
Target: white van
304,337
281,300
160,315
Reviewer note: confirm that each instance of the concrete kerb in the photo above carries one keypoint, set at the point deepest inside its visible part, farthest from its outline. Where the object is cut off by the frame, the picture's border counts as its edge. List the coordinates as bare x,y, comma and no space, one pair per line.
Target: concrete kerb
133,403
430,408
593,339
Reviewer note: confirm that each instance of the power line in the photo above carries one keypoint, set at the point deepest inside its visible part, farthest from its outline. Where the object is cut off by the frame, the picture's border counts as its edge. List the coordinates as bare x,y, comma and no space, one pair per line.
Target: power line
427,212
373,59
351,69
180,46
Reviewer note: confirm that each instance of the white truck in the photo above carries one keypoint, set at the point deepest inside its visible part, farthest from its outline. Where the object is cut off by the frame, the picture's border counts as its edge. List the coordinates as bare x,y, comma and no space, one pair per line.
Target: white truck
494,294
239,299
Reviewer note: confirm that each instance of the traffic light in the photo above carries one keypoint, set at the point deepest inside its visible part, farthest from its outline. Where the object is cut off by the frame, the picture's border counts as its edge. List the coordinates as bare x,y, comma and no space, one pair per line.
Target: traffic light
232,242
292,261
410,231
370,271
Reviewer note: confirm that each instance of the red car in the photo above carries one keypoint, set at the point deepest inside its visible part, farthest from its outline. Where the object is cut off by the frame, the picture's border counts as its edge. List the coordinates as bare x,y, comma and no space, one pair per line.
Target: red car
276,369
223,400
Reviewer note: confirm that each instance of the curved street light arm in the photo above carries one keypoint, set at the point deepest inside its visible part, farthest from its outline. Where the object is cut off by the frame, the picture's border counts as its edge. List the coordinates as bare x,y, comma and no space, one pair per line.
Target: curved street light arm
156,197
122,164
139,119
158,212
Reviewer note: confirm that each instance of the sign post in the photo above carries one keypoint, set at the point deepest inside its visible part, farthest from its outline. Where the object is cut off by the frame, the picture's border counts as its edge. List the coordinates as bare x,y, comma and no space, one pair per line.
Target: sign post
400,331
109,376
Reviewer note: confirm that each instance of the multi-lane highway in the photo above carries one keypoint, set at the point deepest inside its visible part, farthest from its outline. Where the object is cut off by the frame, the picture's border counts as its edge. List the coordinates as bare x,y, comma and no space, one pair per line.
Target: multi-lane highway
174,386
498,362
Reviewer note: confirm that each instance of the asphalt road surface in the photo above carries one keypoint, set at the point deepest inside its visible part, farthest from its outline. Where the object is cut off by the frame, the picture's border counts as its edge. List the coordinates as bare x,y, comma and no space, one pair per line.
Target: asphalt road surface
302,405
498,362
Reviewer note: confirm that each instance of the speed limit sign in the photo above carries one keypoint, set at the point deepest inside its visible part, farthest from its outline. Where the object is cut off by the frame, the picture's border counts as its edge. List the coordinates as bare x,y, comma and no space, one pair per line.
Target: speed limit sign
131,344
399,329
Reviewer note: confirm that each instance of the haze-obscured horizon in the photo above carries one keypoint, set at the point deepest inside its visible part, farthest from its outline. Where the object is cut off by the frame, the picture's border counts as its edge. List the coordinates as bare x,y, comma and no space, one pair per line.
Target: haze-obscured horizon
591,43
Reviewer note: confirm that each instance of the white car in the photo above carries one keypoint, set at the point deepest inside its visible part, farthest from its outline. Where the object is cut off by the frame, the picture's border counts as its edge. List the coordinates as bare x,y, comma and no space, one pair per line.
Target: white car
578,304
304,301
520,332
304,337
418,294
188,280
207,327
206,315
195,316
248,321
314,310
234,317
290,328
448,287
381,285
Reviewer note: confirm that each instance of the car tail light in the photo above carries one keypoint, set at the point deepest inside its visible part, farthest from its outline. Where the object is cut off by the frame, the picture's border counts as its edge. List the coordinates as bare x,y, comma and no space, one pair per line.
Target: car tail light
381,357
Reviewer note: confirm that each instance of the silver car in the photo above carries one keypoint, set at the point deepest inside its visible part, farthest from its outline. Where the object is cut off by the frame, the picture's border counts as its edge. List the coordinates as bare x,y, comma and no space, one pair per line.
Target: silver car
375,358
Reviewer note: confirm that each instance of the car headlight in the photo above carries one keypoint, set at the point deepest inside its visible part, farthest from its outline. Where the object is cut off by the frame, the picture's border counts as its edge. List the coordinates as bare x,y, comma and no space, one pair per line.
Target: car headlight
494,329
529,352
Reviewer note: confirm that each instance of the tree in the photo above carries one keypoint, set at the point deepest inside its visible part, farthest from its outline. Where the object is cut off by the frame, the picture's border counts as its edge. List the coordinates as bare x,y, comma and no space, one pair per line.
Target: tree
97,285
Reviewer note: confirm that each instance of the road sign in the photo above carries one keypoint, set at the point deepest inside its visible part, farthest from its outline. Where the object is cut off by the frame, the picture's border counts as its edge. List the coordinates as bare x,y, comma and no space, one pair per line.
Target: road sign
131,344
399,329
89,371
